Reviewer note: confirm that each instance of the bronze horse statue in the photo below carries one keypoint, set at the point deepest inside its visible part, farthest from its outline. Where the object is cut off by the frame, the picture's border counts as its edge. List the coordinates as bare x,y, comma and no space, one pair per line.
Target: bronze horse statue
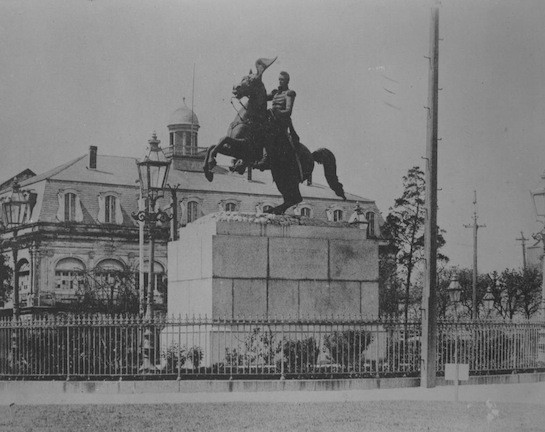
254,128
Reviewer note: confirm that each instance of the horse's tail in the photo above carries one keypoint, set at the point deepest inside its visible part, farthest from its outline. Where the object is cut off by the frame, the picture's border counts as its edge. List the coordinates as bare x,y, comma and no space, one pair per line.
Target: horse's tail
326,158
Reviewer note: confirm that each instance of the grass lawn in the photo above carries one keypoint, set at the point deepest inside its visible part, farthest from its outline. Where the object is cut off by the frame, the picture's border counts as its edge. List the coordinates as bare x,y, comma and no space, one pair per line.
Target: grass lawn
388,416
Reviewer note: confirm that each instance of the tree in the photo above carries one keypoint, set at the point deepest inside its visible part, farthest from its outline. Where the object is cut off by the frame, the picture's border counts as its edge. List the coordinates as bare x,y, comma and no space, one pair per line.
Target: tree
6,273
404,228
112,291
465,277
516,291
530,292
390,286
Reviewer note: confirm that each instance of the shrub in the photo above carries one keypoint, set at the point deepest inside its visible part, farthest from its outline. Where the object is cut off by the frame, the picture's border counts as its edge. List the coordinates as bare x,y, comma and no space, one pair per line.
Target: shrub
300,356
175,357
347,347
259,348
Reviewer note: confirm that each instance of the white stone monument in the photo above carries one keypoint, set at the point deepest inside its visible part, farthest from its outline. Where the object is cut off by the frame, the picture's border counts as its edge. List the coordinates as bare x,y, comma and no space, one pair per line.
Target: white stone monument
240,265
244,266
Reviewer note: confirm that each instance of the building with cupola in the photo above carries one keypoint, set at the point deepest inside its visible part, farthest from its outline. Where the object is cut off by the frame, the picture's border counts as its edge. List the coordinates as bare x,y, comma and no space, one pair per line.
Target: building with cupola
77,234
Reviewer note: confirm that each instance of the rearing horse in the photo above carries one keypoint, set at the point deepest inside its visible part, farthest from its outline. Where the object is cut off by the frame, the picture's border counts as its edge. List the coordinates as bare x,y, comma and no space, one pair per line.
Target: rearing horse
253,129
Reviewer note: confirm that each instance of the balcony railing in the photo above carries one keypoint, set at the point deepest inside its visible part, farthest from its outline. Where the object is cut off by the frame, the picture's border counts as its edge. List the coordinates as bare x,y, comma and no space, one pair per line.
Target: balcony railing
186,151
106,347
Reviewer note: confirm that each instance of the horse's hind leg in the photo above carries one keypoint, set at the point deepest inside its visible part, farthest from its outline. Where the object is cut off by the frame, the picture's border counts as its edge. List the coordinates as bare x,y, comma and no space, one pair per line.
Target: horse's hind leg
290,193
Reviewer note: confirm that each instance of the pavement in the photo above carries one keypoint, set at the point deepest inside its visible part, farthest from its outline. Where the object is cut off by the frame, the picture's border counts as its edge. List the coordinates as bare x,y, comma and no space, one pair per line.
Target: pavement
527,393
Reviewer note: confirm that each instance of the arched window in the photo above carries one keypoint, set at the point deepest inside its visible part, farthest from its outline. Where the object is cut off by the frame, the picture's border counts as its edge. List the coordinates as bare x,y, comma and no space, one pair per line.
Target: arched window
69,207
192,211
337,215
305,211
69,274
230,207
109,272
110,203
109,208
370,216
264,206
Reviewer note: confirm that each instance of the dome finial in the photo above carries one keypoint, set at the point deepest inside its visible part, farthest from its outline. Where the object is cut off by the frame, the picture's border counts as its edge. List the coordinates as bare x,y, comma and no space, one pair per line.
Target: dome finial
154,141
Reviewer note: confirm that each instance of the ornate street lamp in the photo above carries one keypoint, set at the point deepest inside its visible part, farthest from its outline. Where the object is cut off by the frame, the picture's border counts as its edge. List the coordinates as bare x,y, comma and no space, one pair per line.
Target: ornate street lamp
153,174
538,198
358,218
15,211
16,207
454,290
488,301
153,170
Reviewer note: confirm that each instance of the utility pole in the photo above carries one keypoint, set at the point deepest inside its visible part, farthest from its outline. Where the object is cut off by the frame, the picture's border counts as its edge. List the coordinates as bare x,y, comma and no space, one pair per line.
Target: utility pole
475,226
429,318
522,239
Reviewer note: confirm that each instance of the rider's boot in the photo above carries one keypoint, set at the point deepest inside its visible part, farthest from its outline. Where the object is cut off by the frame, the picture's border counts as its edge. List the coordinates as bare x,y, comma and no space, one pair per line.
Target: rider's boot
263,164
238,166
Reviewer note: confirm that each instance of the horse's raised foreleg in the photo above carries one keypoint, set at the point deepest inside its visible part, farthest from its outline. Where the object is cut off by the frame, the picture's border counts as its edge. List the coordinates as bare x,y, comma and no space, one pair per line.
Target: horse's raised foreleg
207,168
211,153
234,147
215,150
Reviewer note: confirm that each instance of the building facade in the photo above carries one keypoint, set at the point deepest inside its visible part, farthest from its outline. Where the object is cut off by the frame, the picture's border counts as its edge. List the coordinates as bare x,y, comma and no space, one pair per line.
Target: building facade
78,233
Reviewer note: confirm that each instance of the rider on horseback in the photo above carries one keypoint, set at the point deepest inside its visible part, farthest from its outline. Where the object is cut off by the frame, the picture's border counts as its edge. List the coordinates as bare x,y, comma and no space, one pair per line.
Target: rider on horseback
254,127
283,99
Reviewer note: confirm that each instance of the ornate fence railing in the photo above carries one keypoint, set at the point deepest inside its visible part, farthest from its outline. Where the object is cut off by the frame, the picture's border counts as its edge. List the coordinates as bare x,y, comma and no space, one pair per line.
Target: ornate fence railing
132,348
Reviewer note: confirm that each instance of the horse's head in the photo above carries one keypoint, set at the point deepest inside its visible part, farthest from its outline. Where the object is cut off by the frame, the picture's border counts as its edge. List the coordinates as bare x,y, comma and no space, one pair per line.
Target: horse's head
252,82
247,86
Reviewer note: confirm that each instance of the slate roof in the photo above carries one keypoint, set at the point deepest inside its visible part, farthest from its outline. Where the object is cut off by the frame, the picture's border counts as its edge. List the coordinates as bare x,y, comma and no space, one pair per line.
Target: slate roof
121,171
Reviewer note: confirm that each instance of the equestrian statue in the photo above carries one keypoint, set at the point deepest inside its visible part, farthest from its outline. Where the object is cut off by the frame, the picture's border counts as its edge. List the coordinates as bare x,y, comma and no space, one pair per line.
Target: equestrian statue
265,139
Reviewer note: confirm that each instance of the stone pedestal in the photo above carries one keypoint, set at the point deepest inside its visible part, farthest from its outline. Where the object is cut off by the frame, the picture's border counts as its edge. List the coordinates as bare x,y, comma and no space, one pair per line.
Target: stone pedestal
233,265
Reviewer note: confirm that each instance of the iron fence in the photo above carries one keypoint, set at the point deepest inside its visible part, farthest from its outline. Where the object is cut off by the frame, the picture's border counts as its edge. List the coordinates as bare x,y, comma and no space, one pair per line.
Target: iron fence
127,347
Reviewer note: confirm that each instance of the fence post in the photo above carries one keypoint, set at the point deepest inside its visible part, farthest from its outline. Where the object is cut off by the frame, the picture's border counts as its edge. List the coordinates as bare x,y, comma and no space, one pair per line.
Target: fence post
377,350
282,376
179,346
67,350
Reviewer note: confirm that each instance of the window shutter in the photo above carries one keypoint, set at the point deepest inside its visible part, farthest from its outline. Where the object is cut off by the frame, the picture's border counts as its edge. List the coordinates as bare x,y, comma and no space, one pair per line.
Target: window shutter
60,211
183,211
101,209
79,212
118,213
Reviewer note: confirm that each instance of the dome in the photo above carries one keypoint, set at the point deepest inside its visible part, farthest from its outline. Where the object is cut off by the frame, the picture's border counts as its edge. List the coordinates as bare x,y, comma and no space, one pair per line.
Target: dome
183,115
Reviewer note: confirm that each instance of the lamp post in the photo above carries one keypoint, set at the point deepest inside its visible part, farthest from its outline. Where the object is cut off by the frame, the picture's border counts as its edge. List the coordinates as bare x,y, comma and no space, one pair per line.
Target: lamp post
538,198
454,292
358,218
15,212
152,174
488,301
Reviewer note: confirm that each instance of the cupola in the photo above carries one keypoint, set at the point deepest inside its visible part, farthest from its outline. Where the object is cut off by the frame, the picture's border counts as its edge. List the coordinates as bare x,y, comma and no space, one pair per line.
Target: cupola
183,127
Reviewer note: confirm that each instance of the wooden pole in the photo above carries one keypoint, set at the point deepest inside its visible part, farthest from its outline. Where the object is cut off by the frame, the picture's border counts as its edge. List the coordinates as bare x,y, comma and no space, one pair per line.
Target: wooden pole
429,319
475,226
141,297
523,240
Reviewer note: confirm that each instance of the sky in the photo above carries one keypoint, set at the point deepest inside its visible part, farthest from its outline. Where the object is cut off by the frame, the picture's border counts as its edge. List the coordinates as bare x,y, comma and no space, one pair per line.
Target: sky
76,73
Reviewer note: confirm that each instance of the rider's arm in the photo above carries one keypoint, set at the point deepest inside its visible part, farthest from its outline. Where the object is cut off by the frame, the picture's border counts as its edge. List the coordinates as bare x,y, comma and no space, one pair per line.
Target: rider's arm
270,95
290,100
